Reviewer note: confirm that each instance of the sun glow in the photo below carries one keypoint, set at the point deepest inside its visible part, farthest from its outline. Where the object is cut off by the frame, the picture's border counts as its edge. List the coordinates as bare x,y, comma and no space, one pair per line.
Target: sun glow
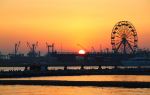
82,52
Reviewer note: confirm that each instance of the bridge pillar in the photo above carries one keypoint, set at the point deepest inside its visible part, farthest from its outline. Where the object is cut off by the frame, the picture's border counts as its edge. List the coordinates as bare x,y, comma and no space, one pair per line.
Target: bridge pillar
99,67
82,67
65,67
115,67
26,68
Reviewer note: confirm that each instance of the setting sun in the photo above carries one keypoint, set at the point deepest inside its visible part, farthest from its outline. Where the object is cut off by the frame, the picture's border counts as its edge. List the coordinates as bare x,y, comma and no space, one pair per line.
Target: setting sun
73,47
82,52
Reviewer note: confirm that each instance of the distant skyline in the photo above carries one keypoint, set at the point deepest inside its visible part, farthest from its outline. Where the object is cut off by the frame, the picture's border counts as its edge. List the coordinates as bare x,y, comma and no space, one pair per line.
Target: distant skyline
68,23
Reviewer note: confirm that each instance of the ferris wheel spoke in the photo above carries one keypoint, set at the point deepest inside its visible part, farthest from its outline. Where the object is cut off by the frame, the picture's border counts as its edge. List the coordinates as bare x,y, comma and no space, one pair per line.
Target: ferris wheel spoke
118,33
118,36
128,49
129,37
130,46
119,30
130,41
119,46
130,31
118,43
129,34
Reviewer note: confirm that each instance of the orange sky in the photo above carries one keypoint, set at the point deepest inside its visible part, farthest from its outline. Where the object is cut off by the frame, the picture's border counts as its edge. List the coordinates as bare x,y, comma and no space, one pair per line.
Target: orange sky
70,22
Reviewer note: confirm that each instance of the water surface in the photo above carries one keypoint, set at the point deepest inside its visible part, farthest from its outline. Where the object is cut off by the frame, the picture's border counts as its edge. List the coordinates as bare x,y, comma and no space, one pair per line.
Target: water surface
76,90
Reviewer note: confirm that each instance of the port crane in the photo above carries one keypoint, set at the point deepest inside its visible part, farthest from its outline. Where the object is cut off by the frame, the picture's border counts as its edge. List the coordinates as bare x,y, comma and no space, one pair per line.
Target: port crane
32,48
93,49
50,46
17,45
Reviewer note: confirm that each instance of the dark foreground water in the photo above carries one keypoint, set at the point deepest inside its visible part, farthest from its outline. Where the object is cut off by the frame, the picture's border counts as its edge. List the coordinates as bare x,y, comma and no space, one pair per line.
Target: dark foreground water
77,90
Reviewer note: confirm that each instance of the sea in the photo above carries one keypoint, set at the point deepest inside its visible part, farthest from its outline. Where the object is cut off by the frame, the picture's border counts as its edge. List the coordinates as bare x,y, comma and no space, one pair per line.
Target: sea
77,90
74,90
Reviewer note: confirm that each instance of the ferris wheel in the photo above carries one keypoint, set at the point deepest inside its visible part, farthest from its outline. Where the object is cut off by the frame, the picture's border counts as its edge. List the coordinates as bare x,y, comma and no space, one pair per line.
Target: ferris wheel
124,38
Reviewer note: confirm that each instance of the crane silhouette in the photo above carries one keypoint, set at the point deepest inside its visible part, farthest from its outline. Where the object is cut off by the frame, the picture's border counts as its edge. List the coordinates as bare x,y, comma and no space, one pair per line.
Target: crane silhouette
17,45
32,48
50,46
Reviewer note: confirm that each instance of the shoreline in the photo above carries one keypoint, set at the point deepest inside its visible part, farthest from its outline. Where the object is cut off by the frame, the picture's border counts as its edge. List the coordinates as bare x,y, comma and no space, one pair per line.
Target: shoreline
124,84
22,74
